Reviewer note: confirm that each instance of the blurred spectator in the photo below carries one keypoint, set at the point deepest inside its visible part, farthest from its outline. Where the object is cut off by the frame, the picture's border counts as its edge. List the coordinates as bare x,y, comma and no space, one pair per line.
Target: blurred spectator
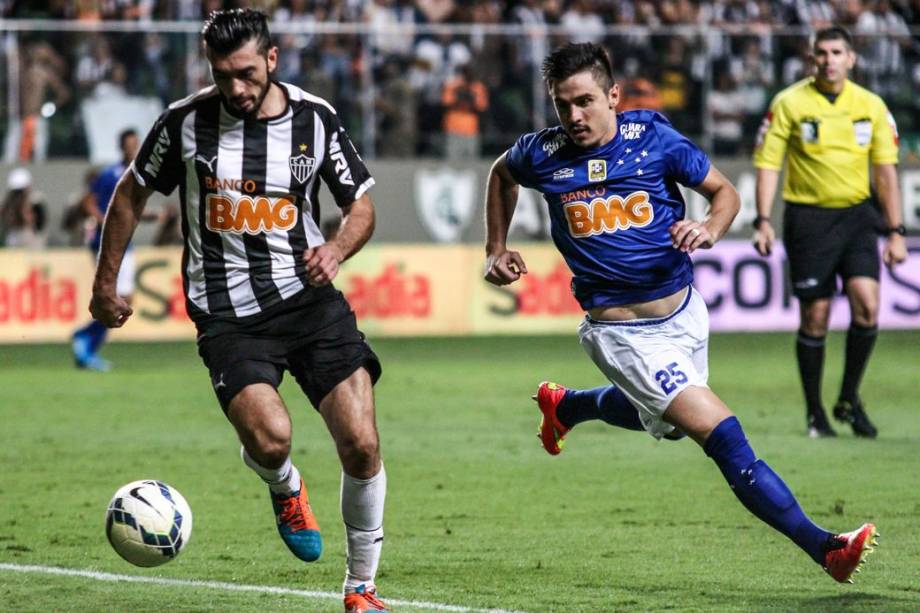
436,59
753,72
43,72
435,11
335,62
384,17
674,82
96,65
726,111
78,222
169,228
582,24
638,93
314,79
292,46
529,13
396,113
882,34
817,14
798,66
23,213
465,98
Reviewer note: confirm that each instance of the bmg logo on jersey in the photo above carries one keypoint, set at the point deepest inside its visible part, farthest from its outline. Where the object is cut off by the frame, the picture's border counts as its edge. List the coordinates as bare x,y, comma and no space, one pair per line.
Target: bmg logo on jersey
249,214
607,215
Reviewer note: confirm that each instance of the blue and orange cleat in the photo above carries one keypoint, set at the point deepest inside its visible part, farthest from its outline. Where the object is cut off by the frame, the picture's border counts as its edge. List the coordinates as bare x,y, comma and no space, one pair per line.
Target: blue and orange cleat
363,600
847,560
551,432
297,525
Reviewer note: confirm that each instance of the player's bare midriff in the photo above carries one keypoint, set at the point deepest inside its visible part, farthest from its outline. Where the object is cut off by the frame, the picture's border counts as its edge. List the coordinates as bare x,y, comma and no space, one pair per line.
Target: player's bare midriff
661,307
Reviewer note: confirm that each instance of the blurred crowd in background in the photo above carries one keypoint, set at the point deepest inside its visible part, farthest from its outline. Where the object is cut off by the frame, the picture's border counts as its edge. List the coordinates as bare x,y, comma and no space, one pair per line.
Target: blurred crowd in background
710,66
455,79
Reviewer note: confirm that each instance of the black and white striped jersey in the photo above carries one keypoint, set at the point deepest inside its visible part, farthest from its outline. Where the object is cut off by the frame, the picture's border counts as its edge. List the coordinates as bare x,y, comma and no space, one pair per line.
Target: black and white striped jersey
249,194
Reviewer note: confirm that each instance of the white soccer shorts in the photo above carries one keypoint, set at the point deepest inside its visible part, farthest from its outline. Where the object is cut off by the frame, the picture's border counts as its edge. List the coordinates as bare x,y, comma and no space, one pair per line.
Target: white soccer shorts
125,284
652,360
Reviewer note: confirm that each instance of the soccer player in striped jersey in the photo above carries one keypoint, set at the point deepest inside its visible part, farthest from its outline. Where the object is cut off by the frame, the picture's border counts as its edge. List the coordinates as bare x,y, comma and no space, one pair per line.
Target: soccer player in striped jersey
618,218
248,155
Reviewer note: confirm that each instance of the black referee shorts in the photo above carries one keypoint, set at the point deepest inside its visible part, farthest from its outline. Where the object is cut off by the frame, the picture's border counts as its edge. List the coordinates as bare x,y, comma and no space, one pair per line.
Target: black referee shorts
823,244
313,335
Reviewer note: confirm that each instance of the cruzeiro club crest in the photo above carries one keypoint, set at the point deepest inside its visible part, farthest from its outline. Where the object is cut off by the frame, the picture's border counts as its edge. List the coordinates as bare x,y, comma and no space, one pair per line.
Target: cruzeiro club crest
301,165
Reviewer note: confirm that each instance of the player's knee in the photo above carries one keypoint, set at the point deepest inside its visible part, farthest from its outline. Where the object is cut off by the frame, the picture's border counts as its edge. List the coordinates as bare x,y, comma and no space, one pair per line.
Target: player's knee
359,452
865,315
814,327
271,445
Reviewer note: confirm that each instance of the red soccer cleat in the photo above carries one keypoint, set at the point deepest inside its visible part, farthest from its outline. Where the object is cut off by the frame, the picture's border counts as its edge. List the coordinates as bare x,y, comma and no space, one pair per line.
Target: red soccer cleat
551,432
842,563
363,600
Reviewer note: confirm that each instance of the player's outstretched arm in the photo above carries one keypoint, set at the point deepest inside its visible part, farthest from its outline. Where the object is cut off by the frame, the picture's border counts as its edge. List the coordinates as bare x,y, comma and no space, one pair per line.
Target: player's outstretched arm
724,203
889,194
358,219
502,266
764,235
121,218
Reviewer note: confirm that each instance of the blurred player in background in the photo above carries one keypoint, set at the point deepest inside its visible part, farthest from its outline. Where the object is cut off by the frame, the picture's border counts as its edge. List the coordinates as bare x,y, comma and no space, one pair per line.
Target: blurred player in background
618,219
247,156
832,130
88,340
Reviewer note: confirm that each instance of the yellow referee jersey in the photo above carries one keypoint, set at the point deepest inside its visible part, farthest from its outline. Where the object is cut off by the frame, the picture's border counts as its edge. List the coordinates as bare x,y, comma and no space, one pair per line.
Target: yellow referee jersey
829,145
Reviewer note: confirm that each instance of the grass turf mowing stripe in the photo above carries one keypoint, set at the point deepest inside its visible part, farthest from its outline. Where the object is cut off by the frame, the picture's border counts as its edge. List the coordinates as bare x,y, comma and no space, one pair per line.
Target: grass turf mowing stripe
232,587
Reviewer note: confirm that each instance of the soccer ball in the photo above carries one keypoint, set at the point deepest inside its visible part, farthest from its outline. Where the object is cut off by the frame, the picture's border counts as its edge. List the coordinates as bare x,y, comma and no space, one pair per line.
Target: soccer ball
148,522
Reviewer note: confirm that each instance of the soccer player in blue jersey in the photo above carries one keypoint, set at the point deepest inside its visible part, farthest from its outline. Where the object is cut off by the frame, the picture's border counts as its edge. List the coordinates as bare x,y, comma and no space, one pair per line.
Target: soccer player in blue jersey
611,184
88,340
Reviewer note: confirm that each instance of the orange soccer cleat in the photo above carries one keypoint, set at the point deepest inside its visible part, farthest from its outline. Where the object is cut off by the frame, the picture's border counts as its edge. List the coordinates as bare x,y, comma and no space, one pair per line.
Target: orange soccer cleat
363,600
847,560
552,432
297,525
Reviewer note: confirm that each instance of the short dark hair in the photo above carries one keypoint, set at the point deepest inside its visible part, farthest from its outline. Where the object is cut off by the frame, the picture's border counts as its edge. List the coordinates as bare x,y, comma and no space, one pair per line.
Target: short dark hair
833,33
573,58
226,31
124,135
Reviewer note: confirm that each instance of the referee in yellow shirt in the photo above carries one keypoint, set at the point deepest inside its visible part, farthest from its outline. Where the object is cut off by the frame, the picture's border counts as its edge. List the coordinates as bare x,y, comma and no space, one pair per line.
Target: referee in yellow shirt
832,129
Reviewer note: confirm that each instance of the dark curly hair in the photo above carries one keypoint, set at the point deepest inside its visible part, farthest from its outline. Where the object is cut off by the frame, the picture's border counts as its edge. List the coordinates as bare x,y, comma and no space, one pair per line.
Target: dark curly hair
226,31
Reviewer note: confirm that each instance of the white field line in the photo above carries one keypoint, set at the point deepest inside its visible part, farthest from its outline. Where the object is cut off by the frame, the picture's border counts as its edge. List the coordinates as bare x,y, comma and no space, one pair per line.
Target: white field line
231,587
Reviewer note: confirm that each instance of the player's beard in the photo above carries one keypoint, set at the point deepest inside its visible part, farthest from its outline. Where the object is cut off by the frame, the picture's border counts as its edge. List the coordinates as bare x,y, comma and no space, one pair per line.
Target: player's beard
257,105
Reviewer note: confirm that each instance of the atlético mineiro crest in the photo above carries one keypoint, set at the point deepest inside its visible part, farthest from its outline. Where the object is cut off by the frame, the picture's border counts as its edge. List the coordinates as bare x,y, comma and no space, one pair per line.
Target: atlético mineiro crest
301,166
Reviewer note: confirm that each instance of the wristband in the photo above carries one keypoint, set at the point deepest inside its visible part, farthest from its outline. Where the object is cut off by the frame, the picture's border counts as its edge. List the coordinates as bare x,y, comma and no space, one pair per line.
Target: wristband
759,220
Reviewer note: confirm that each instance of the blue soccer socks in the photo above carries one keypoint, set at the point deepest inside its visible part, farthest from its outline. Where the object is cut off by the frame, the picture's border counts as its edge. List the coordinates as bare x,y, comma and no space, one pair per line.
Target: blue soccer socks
86,343
762,491
607,403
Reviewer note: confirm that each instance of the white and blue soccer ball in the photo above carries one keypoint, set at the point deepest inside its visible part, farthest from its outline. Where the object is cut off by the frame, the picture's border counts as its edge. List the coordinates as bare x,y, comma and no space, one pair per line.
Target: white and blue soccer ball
148,522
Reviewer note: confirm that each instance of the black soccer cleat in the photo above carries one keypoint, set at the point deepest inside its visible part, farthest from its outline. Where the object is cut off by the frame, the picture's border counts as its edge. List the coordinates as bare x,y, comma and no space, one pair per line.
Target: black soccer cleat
818,426
854,413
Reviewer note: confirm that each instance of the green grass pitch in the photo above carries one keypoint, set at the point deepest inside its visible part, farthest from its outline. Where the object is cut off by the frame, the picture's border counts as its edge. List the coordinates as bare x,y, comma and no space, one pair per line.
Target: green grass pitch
478,515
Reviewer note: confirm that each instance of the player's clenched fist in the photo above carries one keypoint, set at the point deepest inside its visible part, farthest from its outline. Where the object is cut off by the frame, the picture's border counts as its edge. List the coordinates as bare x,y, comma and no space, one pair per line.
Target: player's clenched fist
110,309
322,263
688,236
504,268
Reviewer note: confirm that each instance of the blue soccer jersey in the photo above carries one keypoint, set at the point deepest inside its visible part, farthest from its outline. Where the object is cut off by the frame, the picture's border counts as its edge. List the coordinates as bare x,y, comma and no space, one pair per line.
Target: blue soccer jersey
611,206
103,187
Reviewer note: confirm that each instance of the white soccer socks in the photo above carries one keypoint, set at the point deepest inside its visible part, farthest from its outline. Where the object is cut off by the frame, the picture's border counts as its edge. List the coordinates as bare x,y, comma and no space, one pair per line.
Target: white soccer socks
362,512
282,480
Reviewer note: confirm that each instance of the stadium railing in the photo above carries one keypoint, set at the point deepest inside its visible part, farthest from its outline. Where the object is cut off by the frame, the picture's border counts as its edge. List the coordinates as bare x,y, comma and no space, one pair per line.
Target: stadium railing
140,67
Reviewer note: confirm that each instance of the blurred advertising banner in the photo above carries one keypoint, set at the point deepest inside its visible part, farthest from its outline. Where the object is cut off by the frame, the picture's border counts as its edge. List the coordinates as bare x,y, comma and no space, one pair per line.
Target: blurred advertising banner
747,292
408,290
